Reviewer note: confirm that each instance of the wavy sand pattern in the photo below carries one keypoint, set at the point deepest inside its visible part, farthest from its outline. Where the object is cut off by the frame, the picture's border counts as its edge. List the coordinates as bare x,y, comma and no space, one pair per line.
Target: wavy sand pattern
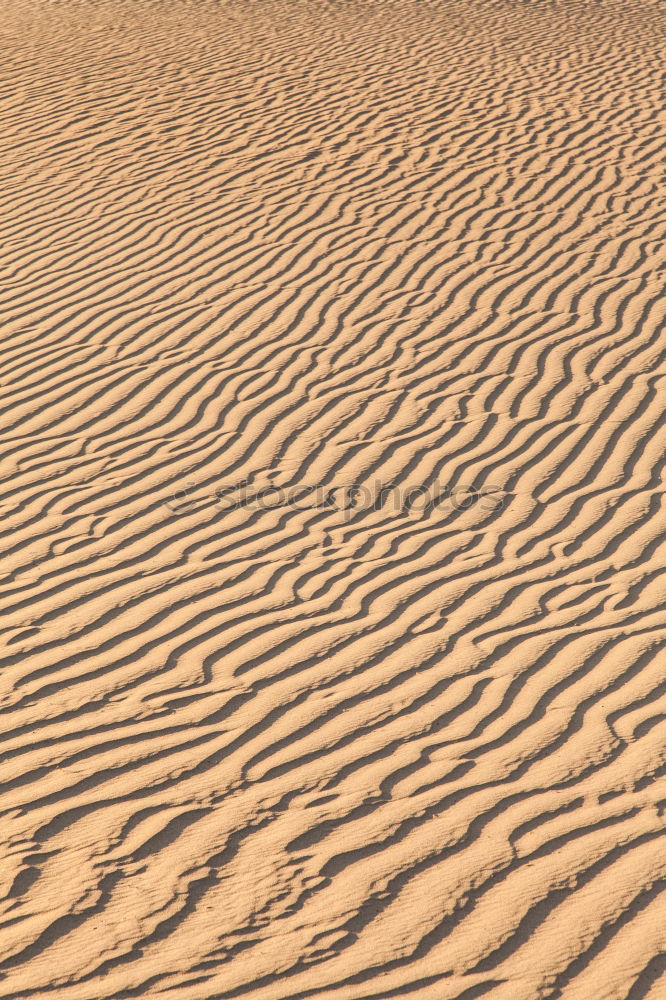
308,744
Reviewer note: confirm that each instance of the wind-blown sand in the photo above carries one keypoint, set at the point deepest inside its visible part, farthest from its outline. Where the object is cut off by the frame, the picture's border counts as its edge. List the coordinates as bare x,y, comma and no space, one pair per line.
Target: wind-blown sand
302,743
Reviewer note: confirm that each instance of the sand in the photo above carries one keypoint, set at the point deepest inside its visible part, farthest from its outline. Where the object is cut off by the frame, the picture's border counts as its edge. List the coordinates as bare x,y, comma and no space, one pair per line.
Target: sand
333,604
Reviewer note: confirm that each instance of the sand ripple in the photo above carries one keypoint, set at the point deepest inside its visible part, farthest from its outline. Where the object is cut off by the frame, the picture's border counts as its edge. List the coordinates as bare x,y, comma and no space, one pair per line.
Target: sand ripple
268,732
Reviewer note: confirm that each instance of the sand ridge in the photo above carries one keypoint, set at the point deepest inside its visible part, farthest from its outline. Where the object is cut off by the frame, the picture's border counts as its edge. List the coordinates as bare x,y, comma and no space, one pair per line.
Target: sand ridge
332,500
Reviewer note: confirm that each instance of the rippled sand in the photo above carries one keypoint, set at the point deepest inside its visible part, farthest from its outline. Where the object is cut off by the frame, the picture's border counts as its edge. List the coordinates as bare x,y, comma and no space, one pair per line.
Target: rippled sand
333,500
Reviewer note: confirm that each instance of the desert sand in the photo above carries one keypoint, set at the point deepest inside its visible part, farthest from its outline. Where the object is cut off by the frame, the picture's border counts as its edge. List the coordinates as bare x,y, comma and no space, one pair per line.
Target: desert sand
333,605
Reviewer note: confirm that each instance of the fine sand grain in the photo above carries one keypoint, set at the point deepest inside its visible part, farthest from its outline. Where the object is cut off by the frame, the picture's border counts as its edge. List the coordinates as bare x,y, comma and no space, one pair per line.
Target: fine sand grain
332,586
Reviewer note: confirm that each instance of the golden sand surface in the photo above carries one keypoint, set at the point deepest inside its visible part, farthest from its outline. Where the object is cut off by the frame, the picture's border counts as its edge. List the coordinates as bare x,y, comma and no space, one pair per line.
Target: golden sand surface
332,580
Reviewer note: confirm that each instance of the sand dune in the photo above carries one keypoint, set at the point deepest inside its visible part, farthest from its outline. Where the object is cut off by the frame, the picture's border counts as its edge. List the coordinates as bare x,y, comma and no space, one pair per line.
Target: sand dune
333,500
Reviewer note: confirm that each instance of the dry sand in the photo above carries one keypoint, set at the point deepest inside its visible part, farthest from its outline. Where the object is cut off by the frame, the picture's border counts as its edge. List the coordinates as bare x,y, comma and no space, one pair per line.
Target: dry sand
299,744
